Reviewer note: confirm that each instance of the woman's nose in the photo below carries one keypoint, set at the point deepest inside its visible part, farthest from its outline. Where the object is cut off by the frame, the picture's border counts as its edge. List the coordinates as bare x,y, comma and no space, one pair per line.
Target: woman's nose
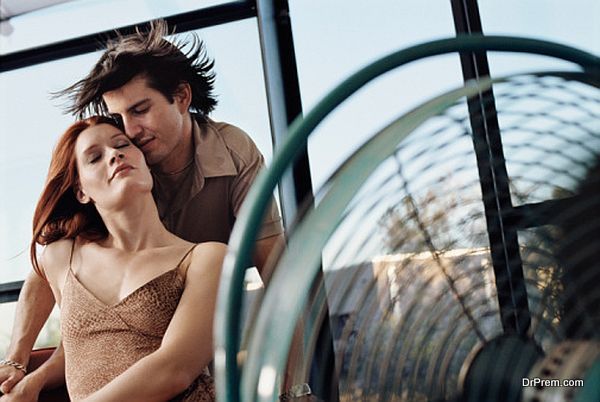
116,155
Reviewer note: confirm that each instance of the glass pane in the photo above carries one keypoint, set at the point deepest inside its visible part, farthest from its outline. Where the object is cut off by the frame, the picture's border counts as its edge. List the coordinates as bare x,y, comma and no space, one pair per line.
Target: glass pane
50,335
30,123
85,17
571,23
334,39
550,136
549,133
555,21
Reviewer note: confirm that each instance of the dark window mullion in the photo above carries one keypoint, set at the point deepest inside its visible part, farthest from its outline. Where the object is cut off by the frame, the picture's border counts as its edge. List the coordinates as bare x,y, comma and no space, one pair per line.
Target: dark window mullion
493,176
206,17
9,292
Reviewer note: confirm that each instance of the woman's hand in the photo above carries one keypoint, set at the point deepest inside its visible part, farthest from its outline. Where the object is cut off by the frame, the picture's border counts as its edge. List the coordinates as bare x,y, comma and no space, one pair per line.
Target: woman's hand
9,377
25,390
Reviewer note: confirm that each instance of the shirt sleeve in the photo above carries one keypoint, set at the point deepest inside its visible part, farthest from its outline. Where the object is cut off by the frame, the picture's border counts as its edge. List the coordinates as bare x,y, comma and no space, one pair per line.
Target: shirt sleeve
250,165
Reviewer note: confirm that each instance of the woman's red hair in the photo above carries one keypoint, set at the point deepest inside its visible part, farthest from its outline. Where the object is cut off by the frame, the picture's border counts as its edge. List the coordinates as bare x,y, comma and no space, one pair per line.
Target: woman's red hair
58,214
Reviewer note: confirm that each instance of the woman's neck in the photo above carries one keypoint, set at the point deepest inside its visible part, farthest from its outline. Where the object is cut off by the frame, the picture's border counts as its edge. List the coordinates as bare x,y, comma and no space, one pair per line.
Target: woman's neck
135,226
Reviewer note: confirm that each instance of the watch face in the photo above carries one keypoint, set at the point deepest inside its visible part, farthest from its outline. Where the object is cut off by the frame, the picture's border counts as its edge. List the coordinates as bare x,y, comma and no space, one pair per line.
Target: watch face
300,390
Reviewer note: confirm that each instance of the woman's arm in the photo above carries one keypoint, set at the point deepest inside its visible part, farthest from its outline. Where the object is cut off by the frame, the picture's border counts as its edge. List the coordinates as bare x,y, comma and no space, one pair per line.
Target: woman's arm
33,308
187,347
51,374
36,301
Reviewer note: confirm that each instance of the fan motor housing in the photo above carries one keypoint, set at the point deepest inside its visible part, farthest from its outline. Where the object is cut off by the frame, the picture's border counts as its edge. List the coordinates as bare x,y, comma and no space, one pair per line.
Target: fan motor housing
494,371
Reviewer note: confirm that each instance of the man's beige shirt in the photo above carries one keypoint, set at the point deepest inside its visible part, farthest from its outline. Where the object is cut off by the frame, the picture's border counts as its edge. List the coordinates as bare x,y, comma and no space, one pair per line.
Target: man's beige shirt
201,203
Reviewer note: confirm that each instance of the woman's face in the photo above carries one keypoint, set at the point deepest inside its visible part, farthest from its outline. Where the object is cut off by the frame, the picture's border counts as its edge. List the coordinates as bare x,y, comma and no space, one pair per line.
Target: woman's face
110,167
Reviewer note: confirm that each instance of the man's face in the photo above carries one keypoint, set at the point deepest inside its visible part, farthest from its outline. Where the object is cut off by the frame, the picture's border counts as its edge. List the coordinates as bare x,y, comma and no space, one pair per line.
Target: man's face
155,125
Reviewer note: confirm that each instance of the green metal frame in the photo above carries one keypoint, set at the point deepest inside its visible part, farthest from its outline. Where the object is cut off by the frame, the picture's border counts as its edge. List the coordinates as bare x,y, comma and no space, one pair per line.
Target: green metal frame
228,325
298,266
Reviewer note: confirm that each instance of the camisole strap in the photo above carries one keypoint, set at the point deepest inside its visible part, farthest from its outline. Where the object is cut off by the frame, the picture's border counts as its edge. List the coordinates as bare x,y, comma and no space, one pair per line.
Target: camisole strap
71,255
183,268
70,267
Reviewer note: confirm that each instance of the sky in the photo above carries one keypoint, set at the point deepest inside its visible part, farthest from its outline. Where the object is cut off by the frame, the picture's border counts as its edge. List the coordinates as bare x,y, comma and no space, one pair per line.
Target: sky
333,39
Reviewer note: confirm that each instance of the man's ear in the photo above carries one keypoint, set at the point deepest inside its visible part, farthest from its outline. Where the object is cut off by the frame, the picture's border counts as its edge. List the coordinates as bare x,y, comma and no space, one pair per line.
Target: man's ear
183,96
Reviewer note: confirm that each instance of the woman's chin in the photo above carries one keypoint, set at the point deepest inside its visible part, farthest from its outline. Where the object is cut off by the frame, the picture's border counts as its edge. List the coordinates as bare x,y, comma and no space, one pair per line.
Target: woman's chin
127,197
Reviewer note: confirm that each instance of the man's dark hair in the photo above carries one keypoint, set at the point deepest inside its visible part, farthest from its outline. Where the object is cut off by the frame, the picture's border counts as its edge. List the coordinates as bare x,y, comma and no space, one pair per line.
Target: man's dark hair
146,54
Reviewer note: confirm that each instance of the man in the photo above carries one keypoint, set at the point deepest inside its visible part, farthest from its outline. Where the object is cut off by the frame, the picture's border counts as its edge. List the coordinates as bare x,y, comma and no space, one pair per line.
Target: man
202,169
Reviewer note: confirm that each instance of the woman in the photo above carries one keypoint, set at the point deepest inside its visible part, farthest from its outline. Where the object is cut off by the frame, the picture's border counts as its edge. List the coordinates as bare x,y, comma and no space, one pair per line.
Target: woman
137,302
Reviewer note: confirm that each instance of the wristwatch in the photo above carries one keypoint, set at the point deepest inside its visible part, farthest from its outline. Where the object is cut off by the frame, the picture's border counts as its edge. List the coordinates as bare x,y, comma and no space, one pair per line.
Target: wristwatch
296,391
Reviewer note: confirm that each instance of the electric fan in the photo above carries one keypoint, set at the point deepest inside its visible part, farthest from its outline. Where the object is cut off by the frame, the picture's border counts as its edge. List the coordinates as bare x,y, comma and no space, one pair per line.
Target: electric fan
459,249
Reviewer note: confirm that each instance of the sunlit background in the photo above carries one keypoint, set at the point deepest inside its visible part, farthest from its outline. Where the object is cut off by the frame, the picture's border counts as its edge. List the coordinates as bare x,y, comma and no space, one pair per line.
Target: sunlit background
332,40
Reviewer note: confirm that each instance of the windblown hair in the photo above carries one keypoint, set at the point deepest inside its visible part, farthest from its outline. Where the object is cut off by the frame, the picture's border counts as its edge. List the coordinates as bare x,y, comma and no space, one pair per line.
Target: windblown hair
58,214
146,54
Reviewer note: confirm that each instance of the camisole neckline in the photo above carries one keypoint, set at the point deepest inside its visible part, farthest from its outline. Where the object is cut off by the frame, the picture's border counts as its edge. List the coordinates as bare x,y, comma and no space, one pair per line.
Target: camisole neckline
133,292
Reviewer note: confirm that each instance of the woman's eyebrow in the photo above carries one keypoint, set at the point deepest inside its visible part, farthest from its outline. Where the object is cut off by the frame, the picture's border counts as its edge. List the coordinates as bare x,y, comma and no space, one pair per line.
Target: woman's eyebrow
90,148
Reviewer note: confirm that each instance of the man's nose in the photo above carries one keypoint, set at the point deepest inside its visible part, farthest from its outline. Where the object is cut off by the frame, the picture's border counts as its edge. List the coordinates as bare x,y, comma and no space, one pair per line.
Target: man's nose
132,128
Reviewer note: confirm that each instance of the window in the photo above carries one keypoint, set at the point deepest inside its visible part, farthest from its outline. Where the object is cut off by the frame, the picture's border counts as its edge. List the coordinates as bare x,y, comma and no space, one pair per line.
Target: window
47,25
334,40
31,121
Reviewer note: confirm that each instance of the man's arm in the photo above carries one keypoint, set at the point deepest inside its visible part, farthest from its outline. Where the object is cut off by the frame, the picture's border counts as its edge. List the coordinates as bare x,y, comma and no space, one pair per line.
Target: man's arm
262,251
270,243
250,162
36,301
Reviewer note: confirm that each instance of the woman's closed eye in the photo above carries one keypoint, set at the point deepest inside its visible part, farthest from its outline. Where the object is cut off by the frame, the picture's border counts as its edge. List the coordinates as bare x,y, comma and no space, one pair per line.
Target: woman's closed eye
93,158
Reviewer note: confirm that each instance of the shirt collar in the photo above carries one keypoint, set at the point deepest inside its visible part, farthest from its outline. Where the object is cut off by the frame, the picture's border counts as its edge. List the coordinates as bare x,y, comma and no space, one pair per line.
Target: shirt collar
212,156
211,159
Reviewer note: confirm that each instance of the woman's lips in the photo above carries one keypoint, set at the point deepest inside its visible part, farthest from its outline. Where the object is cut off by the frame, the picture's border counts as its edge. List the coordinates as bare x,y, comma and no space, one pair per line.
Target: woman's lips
121,169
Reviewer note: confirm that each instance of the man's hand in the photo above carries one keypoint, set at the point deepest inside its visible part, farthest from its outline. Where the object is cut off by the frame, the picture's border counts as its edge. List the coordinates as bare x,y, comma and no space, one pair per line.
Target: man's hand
262,251
25,390
9,377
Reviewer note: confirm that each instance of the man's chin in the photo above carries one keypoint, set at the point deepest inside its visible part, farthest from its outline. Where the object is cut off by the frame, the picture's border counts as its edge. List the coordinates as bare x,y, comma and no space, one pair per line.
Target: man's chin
152,160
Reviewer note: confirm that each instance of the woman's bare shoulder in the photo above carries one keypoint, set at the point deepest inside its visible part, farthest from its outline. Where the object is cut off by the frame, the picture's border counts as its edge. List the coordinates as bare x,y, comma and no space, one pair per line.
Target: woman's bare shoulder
210,248
56,256
208,255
